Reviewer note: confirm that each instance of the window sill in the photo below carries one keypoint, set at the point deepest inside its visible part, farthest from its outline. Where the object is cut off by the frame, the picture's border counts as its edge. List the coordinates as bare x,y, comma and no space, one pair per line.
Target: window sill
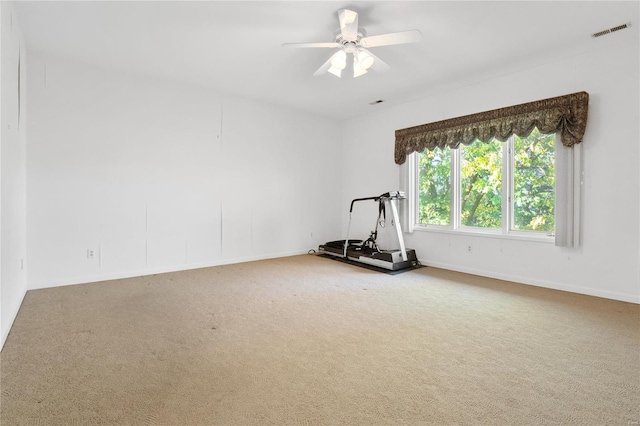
515,235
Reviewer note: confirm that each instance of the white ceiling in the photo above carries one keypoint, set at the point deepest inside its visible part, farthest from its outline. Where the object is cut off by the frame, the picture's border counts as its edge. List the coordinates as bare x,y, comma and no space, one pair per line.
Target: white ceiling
235,46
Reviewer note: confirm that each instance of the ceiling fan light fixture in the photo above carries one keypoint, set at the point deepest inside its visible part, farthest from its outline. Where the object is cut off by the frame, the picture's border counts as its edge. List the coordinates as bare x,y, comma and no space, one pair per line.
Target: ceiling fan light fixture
358,71
339,60
335,71
365,60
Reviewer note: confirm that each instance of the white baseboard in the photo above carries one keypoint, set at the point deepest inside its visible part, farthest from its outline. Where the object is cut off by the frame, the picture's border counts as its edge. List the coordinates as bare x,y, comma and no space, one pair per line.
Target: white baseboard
623,297
152,271
6,329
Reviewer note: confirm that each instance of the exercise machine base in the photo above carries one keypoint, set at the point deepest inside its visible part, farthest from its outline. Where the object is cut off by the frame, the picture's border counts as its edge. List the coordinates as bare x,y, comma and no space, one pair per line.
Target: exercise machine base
369,267
390,260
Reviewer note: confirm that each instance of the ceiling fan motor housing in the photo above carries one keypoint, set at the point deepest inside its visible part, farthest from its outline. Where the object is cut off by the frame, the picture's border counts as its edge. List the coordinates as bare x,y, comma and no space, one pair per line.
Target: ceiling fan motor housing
350,44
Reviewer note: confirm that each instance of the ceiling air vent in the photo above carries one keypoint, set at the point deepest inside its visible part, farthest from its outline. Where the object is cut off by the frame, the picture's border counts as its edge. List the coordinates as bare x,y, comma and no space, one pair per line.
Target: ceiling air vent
611,30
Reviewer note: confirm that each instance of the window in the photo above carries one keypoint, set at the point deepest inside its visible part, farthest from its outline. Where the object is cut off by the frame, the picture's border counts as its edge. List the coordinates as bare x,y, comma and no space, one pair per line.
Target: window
531,167
504,188
435,187
534,183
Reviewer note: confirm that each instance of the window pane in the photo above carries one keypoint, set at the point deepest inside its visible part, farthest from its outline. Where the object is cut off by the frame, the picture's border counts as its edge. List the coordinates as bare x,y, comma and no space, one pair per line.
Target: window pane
434,168
481,184
534,182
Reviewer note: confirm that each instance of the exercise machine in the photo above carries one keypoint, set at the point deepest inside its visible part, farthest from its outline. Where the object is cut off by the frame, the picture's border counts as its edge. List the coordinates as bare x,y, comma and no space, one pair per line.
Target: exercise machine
367,251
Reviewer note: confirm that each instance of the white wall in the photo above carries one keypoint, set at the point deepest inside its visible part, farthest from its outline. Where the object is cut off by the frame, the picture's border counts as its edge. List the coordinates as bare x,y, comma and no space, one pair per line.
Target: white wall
155,175
12,171
607,263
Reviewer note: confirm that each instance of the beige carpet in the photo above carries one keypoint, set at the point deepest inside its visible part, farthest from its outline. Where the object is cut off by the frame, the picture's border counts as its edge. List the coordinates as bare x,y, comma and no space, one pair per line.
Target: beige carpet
306,340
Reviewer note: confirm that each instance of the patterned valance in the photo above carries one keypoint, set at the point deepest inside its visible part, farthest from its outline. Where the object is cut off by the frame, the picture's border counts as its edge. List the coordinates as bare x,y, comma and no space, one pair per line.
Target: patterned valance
564,114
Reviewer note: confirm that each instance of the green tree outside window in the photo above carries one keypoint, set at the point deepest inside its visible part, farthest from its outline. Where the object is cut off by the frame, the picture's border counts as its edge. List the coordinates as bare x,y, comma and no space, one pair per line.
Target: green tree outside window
482,184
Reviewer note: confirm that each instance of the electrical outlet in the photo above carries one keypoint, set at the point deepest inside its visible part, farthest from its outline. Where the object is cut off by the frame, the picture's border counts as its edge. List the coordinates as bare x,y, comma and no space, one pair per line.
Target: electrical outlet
469,248
91,254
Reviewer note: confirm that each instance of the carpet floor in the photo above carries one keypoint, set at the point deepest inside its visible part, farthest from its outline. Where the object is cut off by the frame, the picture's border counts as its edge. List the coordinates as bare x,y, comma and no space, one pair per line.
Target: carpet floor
304,340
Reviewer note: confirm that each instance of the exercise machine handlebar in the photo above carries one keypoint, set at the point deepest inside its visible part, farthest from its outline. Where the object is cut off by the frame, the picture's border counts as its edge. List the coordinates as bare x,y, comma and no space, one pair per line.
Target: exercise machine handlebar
397,195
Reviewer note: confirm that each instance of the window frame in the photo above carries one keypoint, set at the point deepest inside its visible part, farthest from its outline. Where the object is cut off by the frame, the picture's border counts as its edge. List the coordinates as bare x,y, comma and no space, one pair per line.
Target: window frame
506,231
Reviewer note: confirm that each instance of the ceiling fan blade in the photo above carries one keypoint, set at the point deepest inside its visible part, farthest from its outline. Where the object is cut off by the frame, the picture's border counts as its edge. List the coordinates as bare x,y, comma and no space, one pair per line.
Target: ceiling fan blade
324,68
348,24
378,64
331,44
389,39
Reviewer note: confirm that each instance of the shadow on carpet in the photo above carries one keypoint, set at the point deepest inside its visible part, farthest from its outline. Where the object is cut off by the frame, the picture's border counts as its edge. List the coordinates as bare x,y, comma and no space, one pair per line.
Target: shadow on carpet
370,267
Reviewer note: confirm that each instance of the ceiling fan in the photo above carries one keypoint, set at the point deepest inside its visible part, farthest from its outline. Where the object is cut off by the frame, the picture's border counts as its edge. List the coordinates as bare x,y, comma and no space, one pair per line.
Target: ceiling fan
351,39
